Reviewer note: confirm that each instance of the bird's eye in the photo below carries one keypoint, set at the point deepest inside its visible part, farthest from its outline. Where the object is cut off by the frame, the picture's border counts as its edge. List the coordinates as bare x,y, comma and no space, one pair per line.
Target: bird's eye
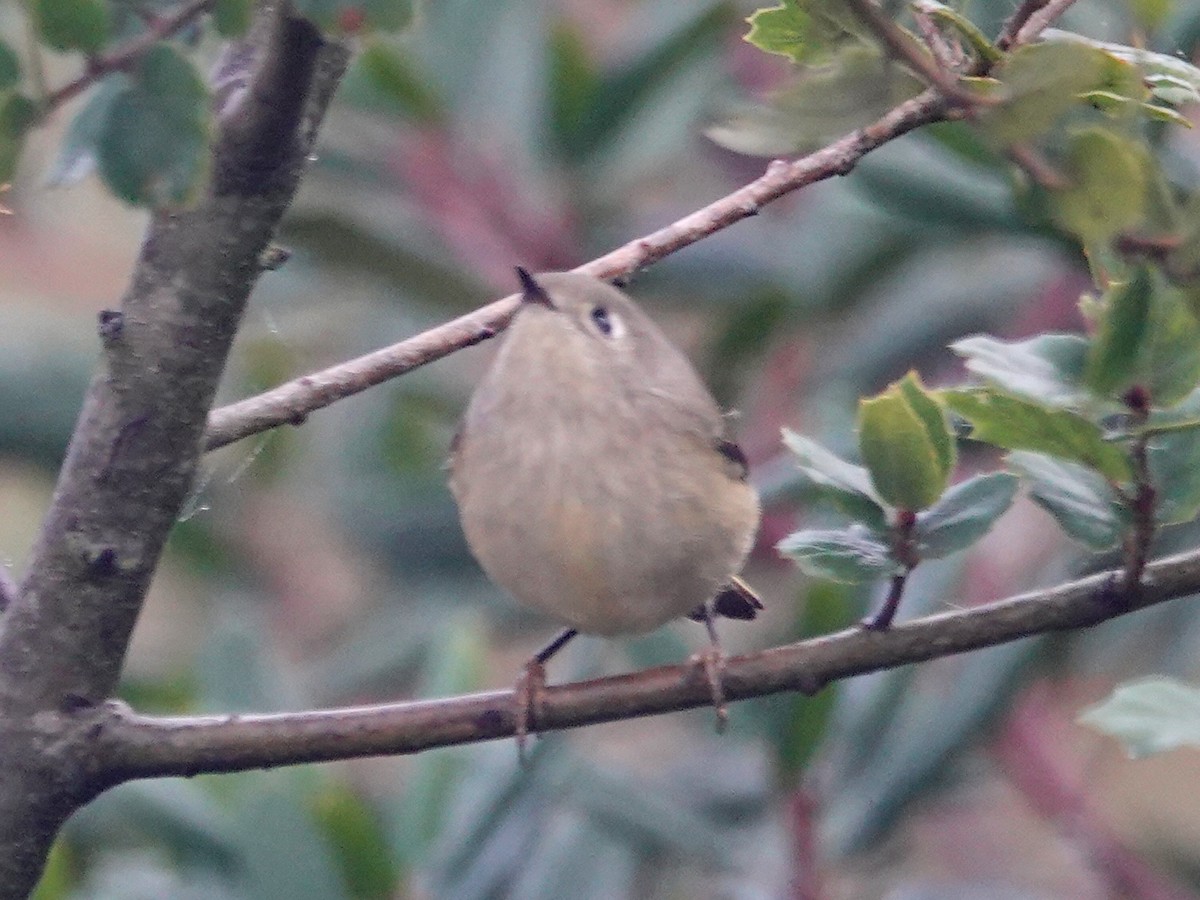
602,319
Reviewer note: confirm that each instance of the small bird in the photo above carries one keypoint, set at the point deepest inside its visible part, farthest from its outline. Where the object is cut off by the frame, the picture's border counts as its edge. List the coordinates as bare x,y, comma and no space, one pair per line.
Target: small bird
595,478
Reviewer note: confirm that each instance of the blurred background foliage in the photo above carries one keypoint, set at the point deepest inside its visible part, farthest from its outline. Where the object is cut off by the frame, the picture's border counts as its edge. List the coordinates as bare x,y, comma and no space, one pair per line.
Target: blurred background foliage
324,565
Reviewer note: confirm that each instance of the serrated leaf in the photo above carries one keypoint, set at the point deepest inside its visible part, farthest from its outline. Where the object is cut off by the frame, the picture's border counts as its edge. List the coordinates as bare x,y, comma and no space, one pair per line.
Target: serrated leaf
1042,82
10,67
903,446
152,145
1149,716
18,114
1107,190
1017,424
846,485
963,514
231,18
851,555
77,150
1047,369
82,25
1113,355
783,30
802,30
1079,499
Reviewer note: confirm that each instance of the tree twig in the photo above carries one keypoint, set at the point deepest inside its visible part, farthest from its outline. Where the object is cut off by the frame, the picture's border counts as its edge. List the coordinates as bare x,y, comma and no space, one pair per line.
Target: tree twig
129,745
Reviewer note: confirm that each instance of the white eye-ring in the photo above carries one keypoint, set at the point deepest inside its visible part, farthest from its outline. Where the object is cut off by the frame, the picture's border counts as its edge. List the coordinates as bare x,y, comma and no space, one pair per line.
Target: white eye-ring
607,322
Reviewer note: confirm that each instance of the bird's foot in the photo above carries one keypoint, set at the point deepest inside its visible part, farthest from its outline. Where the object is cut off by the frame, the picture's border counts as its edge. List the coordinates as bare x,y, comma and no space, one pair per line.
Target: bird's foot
527,696
712,662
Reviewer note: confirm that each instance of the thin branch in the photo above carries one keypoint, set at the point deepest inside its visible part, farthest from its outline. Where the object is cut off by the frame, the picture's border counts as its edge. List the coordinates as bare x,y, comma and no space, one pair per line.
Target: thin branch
128,745
129,52
290,403
1009,31
902,48
1040,19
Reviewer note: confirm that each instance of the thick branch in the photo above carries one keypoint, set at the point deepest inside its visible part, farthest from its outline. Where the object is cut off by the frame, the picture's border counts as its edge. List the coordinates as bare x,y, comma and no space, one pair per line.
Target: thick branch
132,456
129,745
293,401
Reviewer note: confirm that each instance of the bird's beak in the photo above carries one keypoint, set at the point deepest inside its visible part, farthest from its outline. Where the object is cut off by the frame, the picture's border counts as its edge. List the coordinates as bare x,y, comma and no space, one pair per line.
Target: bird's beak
531,291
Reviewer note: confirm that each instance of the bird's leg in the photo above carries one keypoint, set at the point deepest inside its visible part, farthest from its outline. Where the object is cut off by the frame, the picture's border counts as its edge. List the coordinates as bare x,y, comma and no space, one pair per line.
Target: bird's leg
530,684
713,661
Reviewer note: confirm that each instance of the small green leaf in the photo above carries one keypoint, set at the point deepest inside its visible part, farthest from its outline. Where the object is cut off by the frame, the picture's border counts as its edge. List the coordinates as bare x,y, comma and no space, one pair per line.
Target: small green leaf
803,30
82,25
1113,356
10,67
1047,369
1107,191
984,49
851,555
356,836
903,438
1149,716
1171,79
232,17
18,114
1080,500
152,146
930,413
846,485
1017,424
1172,89
963,514
783,30
1042,82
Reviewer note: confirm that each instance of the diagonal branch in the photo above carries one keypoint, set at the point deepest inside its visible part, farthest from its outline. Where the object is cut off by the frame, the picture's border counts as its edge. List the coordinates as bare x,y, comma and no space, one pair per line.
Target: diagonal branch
290,403
129,53
128,745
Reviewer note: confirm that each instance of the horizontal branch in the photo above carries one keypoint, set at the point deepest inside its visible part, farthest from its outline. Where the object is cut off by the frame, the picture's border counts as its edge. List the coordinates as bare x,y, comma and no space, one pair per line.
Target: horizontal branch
290,403
129,745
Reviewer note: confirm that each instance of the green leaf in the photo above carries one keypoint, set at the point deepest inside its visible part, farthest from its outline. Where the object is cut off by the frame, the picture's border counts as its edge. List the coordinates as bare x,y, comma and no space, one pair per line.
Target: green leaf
10,67
802,30
1047,368
1113,356
1107,190
783,30
18,114
846,485
231,18
963,514
1041,83
1174,461
1016,424
391,73
152,146
1170,365
984,49
854,554
853,88
1149,715
1170,78
906,444
929,411
77,151
82,25
1080,500
356,837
